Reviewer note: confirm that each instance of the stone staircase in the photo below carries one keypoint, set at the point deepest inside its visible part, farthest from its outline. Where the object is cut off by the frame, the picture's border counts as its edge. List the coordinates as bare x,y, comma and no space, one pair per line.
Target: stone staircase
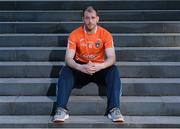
33,37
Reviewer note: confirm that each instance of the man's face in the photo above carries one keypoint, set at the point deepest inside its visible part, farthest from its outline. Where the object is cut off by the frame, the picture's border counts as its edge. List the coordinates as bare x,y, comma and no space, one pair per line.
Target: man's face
90,20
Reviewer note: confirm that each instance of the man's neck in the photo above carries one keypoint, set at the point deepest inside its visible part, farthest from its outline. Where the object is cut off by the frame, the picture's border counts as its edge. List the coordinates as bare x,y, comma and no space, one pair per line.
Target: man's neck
90,31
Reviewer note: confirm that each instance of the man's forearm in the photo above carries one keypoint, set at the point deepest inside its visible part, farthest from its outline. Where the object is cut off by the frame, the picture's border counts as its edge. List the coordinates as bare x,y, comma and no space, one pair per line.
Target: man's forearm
99,66
88,68
71,63
109,61
111,58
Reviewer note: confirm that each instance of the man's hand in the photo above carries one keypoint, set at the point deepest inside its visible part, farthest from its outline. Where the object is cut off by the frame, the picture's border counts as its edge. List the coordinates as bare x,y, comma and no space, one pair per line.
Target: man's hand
88,68
99,67
95,67
91,67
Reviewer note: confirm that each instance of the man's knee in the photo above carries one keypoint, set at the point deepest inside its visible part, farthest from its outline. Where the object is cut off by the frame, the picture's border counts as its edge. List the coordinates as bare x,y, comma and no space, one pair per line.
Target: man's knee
66,78
65,72
113,69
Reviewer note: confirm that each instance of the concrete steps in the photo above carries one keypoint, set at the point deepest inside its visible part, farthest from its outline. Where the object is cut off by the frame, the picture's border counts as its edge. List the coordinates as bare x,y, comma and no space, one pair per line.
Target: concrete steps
33,37
120,40
75,15
79,4
90,122
166,54
131,87
114,26
96,105
127,69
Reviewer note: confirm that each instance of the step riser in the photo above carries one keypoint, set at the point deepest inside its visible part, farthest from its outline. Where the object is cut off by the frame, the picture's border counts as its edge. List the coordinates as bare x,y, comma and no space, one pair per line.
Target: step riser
68,27
86,125
134,89
76,5
119,41
125,71
121,55
76,16
92,122
89,107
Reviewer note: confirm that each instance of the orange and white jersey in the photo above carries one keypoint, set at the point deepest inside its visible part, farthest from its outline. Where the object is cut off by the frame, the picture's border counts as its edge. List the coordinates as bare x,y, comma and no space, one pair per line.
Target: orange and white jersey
90,47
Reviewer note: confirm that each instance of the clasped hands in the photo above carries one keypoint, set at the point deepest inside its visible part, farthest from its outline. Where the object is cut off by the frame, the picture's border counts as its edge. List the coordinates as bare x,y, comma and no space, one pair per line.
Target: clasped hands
91,68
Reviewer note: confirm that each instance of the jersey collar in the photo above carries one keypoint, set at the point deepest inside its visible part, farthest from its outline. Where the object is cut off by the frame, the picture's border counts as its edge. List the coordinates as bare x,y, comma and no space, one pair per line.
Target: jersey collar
86,31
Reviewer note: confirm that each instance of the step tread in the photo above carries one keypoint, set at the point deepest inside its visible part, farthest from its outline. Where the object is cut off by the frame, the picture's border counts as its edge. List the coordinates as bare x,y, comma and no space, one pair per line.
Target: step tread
92,128
77,22
70,11
88,121
67,34
116,48
147,99
58,63
124,80
81,0
84,0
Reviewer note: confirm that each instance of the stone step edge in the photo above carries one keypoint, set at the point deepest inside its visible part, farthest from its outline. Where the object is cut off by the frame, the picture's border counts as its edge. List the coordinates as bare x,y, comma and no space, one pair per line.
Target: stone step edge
88,121
80,0
91,128
64,48
54,80
78,22
67,34
60,63
79,11
51,99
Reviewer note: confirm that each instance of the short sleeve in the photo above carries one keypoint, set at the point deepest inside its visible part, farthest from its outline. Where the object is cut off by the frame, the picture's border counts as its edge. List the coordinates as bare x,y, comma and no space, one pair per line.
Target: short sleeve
108,40
72,41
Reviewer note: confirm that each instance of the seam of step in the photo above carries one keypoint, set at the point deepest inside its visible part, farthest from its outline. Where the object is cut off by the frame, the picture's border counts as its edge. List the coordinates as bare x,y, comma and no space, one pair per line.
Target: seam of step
81,0
47,119
79,11
104,22
133,99
58,63
91,128
64,48
124,80
114,34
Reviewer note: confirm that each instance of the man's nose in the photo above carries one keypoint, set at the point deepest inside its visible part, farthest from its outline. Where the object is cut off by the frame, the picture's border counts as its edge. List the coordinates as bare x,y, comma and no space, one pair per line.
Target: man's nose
90,20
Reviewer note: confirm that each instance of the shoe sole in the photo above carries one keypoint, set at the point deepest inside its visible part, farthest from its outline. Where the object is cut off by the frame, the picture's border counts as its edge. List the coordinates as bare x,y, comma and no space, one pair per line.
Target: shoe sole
61,120
116,120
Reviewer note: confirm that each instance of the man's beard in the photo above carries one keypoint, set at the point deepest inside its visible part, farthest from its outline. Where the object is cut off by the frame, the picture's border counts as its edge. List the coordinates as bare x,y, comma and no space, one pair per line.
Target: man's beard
89,29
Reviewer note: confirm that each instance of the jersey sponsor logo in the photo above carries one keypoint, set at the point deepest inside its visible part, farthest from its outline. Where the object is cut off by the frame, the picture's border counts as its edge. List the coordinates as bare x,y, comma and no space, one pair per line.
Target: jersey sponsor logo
88,56
97,44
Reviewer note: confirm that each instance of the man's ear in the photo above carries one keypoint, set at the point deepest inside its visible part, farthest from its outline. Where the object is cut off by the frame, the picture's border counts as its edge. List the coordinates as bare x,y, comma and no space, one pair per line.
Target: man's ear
97,19
83,19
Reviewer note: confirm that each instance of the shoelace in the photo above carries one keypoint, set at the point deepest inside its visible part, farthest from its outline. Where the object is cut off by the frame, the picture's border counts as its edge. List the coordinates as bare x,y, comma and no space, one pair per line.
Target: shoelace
59,111
116,111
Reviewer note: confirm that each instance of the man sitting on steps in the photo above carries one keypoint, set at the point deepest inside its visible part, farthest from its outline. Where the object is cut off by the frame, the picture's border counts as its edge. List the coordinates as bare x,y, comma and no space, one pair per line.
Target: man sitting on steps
90,57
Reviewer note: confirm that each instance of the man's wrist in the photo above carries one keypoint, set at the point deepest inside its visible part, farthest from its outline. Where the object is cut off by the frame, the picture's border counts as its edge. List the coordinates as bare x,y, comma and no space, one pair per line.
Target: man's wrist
78,66
102,65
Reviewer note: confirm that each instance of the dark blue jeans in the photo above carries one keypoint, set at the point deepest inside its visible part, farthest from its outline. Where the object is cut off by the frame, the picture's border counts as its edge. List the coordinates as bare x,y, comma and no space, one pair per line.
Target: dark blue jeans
70,78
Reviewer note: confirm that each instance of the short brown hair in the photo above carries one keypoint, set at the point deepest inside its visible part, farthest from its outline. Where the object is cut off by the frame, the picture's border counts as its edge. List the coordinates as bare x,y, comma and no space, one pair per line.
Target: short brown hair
89,9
